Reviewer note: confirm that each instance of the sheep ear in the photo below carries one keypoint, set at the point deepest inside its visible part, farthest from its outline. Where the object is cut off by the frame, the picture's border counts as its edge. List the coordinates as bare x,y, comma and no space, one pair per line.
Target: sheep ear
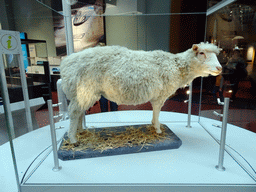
195,47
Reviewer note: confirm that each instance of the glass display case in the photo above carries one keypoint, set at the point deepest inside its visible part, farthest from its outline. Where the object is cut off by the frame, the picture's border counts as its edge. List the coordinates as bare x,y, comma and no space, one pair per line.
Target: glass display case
34,65
216,138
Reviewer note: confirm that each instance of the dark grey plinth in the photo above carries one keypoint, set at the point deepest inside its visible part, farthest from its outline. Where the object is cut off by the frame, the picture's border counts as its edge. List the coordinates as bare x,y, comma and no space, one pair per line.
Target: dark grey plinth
172,143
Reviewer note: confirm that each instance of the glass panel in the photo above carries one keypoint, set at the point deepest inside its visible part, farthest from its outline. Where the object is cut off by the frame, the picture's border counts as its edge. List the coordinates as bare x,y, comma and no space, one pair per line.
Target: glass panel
39,90
110,7
12,72
138,25
35,65
233,29
212,3
37,94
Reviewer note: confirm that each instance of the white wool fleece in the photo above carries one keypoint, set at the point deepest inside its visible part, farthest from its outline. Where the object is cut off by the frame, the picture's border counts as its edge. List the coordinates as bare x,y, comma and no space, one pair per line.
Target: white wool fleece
131,77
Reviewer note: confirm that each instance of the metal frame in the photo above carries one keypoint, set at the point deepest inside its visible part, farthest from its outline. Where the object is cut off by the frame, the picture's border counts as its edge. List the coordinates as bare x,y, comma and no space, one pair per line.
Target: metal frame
122,187
5,95
63,108
127,187
9,120
16,51
189,105
7,107
53,135
218,6
68,26
223,139
223,134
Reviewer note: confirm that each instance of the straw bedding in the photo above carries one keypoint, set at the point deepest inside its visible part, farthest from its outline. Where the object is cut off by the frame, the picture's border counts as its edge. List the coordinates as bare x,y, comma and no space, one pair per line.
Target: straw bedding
105,139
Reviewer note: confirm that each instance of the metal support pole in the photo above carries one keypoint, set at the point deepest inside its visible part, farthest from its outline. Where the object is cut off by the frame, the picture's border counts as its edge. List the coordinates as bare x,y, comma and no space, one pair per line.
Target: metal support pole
53,135
63,108
8,118
189,105
68,26
25,93
5,94
223,135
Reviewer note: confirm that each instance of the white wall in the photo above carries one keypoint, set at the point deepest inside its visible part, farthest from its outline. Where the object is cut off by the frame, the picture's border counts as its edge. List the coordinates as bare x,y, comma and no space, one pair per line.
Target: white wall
122,30
3,16
121,25
122,7
147,32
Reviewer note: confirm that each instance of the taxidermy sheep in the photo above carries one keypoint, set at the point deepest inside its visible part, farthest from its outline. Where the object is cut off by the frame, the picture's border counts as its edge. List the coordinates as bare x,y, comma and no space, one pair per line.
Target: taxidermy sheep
131,77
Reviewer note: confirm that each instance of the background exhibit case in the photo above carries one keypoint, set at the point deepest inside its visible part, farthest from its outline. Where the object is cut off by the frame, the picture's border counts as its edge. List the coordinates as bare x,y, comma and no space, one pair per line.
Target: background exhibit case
146,25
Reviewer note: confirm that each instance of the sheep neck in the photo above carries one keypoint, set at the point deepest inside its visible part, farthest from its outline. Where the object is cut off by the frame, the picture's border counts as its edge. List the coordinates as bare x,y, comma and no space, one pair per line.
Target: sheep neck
188,67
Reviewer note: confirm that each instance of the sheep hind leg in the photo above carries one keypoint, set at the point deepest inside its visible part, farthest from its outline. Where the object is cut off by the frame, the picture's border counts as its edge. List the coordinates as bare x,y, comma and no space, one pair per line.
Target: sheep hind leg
75,114
85,105
80,123
155,120
73,129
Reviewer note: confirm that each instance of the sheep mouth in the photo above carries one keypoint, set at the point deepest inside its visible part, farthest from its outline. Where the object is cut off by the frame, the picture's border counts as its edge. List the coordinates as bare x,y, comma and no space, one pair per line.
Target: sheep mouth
215,72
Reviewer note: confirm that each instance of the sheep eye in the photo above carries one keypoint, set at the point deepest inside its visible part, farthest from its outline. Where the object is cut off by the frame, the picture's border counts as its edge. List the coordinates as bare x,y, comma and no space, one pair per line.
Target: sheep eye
201,53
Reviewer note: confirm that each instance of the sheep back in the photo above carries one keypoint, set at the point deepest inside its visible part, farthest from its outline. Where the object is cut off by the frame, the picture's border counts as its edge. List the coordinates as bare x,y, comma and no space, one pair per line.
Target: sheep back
119,74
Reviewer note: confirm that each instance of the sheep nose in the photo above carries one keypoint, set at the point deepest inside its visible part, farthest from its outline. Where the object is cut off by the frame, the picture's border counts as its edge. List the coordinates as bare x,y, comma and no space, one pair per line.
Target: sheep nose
219,68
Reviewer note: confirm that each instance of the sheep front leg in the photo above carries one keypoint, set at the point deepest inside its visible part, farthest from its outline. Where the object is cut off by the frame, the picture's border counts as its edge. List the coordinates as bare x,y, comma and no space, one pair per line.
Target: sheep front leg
156,110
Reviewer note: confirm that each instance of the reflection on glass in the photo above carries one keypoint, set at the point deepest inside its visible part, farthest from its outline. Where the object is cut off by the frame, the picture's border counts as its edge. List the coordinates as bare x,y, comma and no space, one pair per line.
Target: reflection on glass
12,70
88,28
233,29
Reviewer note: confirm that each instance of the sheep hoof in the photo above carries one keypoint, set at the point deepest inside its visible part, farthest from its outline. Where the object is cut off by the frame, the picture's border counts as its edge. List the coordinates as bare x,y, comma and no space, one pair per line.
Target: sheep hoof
76,144
158,131
72,140
80,130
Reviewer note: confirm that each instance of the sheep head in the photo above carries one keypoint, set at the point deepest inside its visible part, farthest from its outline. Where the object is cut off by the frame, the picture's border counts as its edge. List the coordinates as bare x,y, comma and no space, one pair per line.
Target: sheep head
206,55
